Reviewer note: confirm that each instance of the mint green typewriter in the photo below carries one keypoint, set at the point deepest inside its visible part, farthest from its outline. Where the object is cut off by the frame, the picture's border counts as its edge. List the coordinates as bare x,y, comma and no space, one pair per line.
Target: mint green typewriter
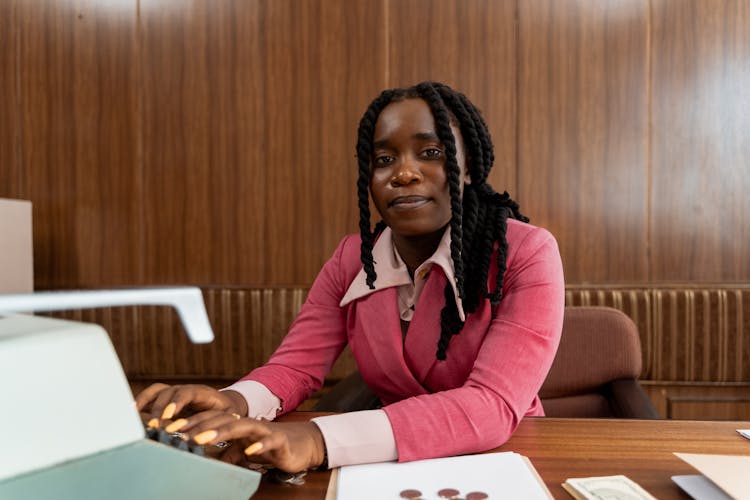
60,443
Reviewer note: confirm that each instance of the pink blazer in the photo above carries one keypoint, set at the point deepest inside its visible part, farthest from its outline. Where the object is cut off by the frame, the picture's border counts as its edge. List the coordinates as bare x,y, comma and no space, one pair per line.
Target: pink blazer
472,401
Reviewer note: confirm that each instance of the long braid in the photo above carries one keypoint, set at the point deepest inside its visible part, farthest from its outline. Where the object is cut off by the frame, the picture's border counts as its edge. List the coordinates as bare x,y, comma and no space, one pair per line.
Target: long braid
479,219
450,321
444,133
364,154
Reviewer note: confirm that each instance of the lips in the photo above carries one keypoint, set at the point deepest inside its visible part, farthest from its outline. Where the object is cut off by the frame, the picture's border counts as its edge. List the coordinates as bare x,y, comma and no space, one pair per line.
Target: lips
408,202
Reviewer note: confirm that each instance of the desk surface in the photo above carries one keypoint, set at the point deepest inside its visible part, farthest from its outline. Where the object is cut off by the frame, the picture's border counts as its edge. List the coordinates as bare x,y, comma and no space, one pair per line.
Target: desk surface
562,448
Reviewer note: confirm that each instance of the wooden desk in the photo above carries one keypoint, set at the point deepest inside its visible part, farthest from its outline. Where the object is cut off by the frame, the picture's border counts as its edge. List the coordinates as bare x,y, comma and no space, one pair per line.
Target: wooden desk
562,448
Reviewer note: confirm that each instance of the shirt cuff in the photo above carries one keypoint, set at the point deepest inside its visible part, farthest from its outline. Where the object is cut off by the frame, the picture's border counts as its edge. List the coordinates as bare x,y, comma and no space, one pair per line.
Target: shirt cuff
261,402
347,444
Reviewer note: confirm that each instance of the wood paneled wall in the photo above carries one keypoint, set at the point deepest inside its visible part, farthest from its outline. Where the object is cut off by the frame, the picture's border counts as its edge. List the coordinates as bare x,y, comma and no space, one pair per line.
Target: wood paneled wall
700,140
212,141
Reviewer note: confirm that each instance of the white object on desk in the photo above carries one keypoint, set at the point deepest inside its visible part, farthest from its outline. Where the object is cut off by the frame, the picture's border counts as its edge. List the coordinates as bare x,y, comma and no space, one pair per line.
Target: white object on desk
69,422
62,383
499,475
700,487
64,394
16,247
728,472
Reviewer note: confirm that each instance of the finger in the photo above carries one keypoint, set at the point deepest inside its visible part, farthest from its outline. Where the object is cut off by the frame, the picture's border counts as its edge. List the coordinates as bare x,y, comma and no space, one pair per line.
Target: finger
231,429
234,455
273,446
195,421
147,395
275,449
162,400
198,397
215,429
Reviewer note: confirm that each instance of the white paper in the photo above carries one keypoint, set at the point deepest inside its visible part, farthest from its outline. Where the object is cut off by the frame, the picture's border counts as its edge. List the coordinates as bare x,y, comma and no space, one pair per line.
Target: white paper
744,432
700,488
500,475
728,472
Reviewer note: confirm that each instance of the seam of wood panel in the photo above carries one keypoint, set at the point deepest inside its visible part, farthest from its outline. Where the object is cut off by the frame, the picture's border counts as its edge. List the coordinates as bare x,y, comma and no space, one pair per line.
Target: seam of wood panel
266,229
517,98
723,329
738,325
656,321
139,160
690,336
17,136
387,41
649,139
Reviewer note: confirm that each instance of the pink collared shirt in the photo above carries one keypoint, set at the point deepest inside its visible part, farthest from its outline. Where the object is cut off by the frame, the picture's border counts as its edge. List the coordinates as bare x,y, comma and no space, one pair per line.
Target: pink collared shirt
345,443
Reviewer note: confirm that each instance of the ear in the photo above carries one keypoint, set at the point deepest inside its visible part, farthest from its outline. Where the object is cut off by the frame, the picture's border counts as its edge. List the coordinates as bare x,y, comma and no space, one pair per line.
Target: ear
467,171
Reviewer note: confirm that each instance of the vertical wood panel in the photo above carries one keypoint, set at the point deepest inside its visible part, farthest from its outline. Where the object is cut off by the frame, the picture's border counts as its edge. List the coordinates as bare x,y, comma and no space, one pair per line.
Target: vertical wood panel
471,46
79,141
583,118
204,161
11,174
701,144
230,89
324,63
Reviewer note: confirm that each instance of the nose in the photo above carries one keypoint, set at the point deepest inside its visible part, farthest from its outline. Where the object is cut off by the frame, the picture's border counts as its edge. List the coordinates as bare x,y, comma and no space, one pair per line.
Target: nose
406,173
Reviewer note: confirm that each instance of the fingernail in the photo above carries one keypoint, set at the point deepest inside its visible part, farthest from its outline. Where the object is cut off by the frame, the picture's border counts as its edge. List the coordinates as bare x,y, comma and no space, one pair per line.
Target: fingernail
254,448
168,411
153,423
176,425
205,436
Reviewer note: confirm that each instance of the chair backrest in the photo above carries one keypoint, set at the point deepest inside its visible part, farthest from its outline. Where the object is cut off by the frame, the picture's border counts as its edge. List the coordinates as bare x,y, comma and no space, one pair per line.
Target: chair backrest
598,345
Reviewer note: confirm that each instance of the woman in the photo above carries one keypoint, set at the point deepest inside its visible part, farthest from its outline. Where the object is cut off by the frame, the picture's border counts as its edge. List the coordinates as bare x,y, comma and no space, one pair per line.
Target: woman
452,307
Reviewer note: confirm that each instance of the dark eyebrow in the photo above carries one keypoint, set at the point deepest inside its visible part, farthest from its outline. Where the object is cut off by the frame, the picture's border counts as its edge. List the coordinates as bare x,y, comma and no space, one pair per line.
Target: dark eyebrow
427,136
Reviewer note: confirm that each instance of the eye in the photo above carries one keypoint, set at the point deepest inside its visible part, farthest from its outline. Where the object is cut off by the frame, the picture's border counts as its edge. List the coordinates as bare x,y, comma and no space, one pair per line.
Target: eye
433,153
382,160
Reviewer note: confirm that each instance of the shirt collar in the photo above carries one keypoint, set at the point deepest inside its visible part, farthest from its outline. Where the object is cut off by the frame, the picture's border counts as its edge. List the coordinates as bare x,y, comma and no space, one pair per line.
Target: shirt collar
391,270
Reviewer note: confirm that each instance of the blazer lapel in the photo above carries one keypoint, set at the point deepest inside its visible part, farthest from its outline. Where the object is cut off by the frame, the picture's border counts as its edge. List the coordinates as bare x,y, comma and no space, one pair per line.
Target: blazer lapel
378,317
424,331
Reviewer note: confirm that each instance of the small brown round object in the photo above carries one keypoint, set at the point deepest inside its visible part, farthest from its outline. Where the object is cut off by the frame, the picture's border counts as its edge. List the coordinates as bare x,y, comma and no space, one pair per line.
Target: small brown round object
477,495
412,494
448,493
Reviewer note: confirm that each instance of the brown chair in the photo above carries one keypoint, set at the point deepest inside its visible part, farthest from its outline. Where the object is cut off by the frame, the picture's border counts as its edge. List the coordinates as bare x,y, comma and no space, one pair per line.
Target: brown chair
593,375
596,368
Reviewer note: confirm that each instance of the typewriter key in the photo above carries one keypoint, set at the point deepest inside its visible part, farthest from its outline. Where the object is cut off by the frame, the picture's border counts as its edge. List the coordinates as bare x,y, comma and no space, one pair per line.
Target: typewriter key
165,437
198,450
152,433
477,495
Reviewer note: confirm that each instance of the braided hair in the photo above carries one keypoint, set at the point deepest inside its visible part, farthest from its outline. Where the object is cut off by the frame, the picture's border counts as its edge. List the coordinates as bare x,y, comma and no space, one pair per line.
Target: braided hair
478,220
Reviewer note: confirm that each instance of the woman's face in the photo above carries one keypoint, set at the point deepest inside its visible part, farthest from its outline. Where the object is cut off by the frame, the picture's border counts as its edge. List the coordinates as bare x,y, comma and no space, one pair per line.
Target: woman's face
409,185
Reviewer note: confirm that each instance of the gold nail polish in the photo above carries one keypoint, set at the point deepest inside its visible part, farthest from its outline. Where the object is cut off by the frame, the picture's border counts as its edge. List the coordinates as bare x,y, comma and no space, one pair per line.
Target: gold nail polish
205,436
168,411
153,423
254,448
176,425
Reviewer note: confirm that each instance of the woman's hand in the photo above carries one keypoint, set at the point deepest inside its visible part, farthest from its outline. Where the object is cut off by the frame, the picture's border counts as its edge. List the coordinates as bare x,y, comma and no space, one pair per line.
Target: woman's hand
163,402
289,446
